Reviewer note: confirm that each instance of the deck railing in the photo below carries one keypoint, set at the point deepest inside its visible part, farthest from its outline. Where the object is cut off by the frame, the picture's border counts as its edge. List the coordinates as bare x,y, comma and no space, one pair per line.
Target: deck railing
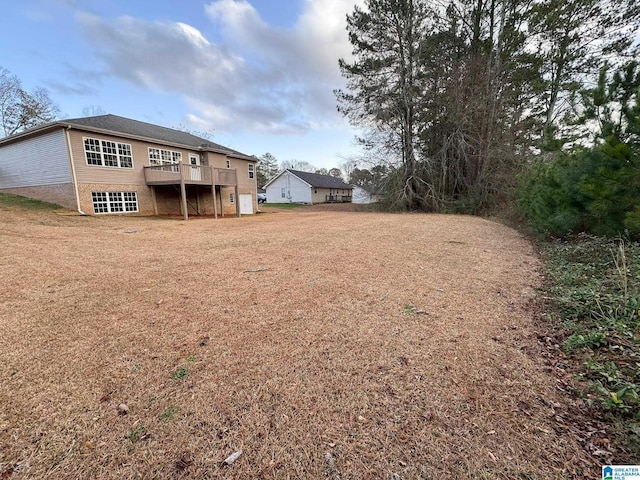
176,173
337,198
225,176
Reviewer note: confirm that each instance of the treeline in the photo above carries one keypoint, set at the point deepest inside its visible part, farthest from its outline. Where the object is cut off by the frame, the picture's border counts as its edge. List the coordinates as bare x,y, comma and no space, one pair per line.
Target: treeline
465,95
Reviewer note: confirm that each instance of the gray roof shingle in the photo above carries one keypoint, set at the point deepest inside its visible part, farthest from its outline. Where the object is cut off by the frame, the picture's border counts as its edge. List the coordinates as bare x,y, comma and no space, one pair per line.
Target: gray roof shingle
129,126
320,181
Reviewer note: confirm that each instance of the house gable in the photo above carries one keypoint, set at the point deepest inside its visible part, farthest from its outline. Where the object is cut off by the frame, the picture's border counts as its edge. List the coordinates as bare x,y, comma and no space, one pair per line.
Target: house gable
288,188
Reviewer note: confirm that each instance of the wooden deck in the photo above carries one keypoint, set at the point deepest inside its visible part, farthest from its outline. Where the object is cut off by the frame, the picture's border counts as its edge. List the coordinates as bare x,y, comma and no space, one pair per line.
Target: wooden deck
338,198
184,174
177,173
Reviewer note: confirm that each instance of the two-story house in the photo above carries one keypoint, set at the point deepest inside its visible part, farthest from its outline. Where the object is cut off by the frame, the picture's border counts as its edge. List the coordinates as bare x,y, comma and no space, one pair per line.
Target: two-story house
110,164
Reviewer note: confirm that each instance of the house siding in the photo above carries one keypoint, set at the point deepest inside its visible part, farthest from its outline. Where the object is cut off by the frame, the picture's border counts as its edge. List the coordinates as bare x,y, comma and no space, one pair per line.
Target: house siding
297,190
86,173
246,185
360,195
38,168
41,160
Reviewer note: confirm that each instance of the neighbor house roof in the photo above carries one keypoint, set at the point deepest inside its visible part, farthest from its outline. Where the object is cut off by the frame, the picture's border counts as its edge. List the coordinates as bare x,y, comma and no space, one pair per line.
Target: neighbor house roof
128,127
320,181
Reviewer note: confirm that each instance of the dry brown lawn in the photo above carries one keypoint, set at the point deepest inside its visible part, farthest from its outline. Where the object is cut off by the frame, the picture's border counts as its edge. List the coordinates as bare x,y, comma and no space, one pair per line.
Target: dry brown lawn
323,344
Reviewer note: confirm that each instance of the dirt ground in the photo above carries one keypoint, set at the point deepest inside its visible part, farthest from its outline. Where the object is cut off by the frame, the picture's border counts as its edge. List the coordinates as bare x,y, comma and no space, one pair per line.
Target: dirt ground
321,343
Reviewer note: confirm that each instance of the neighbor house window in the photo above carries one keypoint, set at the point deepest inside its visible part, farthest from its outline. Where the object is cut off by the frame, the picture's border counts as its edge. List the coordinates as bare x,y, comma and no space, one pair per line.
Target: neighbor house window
114,202
228,163
231,198
105,153
251,170
283,192
158,156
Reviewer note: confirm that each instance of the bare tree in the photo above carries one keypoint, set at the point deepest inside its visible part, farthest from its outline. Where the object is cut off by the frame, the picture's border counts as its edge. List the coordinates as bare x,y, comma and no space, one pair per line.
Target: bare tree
205,134
297,165
93,111
21,110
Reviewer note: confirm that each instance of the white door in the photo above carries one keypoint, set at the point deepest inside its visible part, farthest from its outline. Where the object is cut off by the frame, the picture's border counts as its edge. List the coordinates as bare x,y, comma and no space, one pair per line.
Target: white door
246,204
196,173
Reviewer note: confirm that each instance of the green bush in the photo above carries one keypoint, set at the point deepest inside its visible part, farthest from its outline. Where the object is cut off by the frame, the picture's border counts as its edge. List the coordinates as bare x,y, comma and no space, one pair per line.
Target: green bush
597,189
547,198
592,190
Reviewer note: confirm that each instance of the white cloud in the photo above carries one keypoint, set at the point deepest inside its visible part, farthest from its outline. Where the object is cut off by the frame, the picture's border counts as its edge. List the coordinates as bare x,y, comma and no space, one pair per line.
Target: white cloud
258,77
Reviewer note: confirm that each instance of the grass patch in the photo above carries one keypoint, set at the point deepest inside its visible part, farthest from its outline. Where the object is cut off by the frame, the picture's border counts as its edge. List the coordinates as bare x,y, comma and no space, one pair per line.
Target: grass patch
10,200
596,291
180,374
138,432
168,414
409,309
285,206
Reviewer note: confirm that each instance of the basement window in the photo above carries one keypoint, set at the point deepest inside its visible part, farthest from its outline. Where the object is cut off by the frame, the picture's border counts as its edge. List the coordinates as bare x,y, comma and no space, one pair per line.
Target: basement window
114,202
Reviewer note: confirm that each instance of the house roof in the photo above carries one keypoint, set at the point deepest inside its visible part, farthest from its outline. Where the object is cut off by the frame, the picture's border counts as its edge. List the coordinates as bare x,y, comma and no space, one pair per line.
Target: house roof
128,127
320,181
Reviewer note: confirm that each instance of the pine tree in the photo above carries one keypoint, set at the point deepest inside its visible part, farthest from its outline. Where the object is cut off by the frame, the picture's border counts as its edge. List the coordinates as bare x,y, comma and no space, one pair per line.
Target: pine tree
383,89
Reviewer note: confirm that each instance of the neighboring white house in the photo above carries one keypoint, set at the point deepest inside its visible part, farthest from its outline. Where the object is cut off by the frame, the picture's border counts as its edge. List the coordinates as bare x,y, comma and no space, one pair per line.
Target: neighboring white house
365,194
294,186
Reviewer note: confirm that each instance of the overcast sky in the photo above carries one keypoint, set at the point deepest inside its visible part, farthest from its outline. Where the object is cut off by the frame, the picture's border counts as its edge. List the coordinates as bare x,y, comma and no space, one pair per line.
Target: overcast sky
260,74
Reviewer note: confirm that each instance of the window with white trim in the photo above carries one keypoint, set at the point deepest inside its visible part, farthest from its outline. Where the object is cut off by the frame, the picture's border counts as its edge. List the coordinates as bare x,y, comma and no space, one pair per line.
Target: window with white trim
251,170
158,156
106,153
232,198
283,192
228,163
114,202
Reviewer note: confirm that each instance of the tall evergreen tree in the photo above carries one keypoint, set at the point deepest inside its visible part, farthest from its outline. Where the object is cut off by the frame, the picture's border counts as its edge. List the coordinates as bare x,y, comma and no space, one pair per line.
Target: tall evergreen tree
383,81
266,169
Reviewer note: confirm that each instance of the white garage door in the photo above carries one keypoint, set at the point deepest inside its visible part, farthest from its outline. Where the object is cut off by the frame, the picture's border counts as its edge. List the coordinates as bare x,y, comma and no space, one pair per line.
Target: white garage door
246,204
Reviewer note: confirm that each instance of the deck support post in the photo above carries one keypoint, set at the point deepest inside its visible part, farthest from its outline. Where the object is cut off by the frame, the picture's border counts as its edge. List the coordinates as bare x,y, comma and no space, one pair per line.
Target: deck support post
183,194
237,201
215,201
154,201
